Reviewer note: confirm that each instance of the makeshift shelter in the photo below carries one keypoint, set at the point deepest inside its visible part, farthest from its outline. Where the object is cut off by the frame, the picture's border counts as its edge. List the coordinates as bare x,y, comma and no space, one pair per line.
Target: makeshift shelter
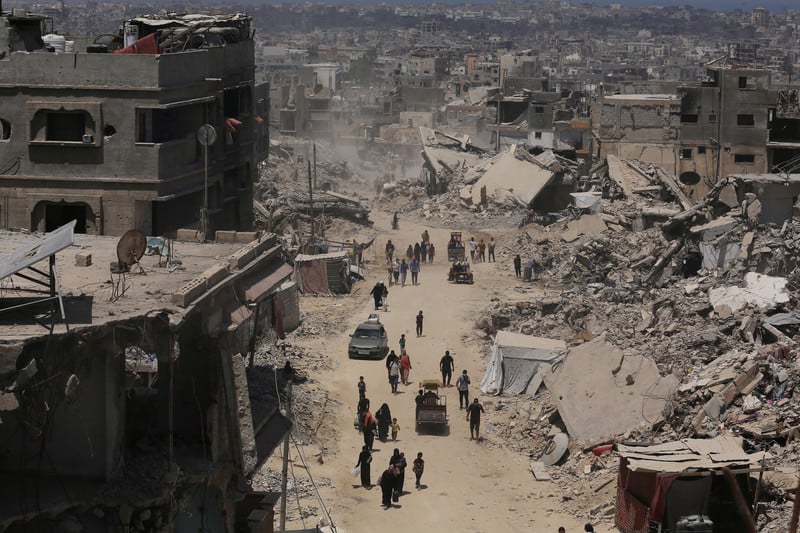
660,483
323,273
518,361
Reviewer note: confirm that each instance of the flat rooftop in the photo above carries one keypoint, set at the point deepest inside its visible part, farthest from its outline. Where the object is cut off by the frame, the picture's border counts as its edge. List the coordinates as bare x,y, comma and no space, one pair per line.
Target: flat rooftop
644,98
87,290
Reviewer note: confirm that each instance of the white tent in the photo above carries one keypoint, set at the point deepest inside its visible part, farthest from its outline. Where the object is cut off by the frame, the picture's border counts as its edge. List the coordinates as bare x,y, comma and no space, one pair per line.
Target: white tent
517,362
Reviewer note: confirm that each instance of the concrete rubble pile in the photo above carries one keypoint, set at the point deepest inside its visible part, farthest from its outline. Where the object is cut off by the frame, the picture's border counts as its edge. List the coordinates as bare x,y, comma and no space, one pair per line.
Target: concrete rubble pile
282,193
706,296
268,373
464,186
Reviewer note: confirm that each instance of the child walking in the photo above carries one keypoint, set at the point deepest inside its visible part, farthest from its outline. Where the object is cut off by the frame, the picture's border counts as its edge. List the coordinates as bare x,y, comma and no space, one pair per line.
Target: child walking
395,428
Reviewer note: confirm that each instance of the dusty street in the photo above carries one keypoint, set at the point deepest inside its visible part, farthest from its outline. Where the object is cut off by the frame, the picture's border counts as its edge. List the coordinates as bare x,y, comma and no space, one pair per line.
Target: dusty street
467,485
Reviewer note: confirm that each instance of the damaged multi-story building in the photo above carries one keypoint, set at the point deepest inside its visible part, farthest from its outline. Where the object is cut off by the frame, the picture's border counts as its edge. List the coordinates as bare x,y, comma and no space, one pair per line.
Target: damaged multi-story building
735,122
134,405
108,135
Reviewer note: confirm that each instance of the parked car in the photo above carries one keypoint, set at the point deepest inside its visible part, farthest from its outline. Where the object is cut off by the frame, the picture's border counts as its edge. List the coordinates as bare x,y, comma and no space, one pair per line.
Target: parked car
369,340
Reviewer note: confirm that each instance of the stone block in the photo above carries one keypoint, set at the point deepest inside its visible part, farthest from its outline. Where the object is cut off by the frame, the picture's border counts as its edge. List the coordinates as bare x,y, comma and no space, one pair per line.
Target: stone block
225,236
188,235
215,274
246,236
83,259
189,292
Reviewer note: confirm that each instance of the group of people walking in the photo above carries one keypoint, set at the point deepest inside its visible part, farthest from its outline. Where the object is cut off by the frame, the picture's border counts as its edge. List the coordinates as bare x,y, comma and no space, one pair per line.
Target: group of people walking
398,368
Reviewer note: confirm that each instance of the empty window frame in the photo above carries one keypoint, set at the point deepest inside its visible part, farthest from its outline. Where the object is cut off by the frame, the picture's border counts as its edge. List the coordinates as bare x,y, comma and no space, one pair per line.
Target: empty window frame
745,120
689,118
701,150
685,153
64,125
712,117
537,135
5,130
539,110
744,159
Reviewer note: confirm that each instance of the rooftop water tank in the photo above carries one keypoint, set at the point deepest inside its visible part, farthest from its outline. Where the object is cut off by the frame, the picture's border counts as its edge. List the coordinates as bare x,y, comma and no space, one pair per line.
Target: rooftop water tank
56,42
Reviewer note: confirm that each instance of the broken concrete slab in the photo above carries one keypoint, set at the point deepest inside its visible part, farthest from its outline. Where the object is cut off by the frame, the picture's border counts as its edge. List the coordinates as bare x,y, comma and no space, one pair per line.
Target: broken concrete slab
590,225
761,291
715,228
600,392
624,176
517,178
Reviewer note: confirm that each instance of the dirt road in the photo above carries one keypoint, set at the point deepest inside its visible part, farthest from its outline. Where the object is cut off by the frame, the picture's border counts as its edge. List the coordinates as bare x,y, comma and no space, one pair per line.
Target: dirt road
468,486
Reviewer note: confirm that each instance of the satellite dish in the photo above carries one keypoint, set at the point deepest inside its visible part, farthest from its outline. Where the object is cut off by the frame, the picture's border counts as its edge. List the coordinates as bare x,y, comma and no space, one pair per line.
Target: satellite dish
131,248
555,449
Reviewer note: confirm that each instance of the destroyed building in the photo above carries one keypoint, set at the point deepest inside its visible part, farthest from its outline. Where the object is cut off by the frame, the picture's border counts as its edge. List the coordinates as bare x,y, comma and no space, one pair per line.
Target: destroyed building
133,405
111,139
735,122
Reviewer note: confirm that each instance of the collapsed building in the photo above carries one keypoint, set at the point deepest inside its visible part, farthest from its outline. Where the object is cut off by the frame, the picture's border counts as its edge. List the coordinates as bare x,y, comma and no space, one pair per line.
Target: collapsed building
130,402
108,135
735,122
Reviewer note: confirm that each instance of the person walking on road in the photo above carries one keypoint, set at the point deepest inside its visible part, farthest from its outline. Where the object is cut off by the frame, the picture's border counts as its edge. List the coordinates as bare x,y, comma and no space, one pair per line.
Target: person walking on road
389,251
446,366
401,464
491,250
396,270
481,252
403,272
389,358
409,252
369,429
364,460
394,375
405,367
473,247
363,407
384,417
388,484
420,318
414,266
462,384
431,253
377,294
474,418
362,387
517,266
418,468
402,342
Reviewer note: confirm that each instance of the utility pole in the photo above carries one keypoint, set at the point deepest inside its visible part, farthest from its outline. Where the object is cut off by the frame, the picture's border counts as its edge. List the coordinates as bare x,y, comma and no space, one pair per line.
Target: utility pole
285,470
206,136
497,140
310,201
315,165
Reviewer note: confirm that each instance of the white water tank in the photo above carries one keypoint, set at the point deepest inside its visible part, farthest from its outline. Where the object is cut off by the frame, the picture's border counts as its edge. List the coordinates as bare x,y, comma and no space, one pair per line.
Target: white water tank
69,47
56,42
131,33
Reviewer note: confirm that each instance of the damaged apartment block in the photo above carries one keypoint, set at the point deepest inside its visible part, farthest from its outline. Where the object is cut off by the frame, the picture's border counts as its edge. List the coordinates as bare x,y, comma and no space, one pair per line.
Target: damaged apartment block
108,135
134,413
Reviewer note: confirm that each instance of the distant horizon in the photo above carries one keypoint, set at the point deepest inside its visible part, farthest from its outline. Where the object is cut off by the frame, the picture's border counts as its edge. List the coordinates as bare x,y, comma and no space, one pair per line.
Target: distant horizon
773,6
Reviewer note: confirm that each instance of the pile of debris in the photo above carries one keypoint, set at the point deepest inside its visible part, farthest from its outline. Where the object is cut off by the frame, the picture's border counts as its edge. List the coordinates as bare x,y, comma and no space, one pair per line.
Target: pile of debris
464,186
298,185
702,298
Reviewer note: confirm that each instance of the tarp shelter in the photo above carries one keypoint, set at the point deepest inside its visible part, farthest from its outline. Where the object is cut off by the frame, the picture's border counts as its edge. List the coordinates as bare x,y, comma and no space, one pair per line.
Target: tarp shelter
516,362
323,273
661,483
